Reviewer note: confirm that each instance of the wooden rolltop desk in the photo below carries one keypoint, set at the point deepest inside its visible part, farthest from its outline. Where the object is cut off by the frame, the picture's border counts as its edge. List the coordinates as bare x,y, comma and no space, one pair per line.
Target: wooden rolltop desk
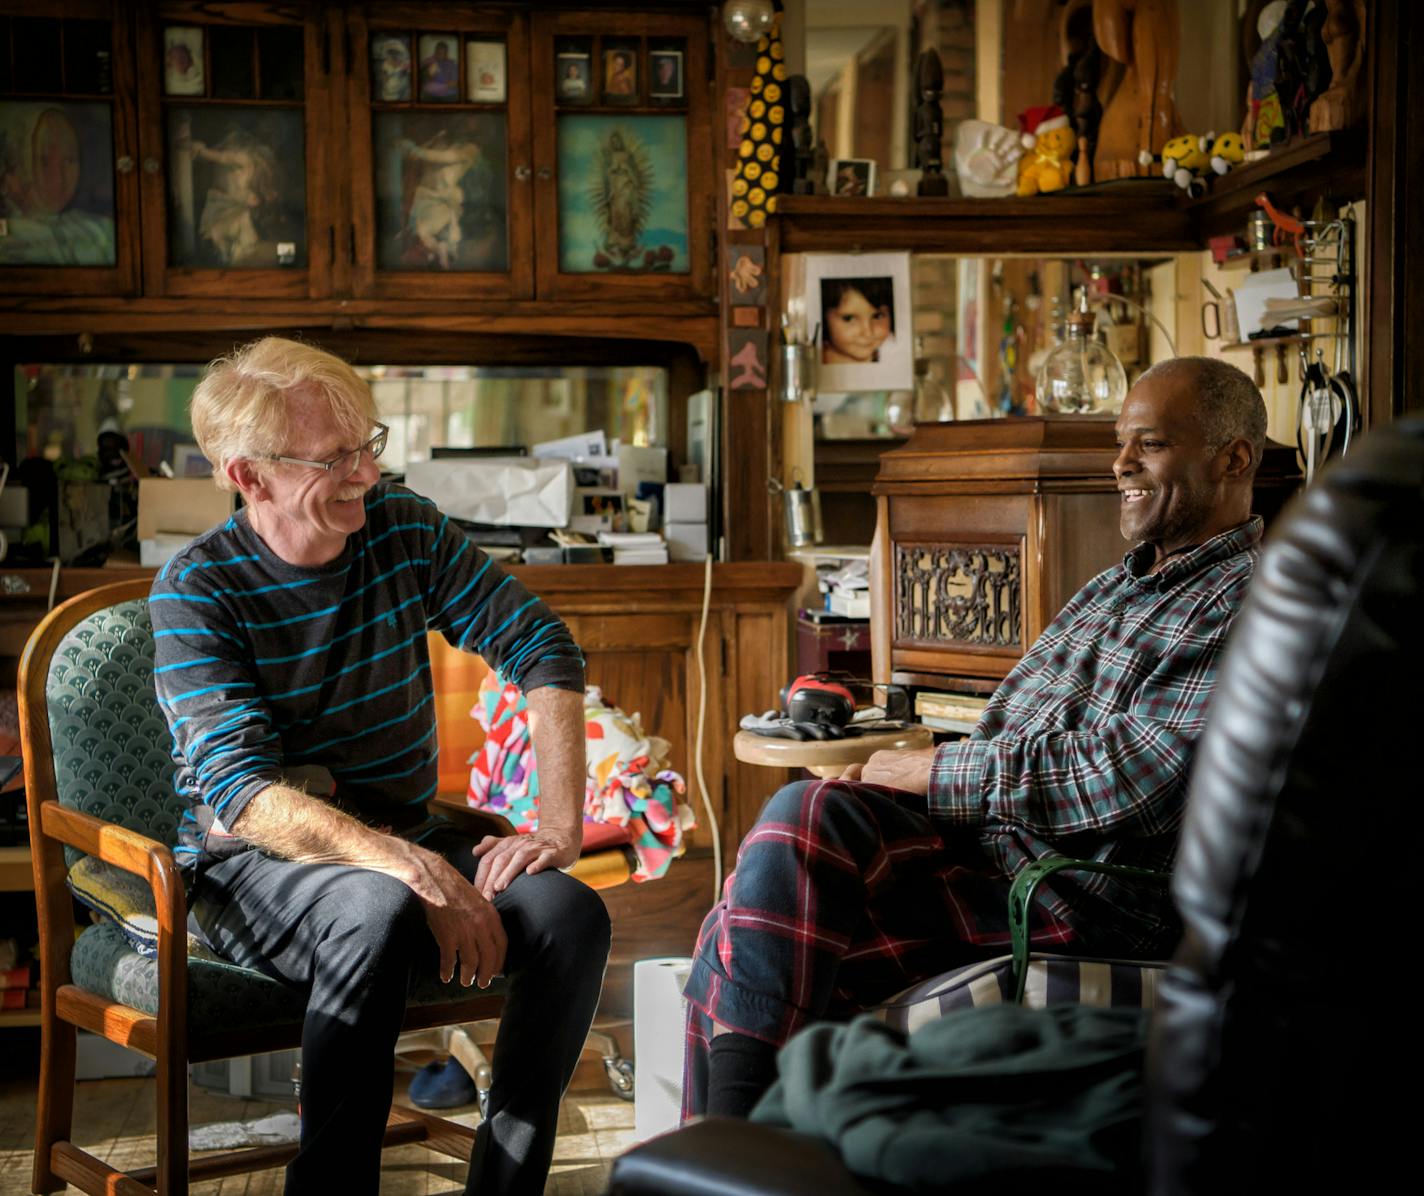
985,529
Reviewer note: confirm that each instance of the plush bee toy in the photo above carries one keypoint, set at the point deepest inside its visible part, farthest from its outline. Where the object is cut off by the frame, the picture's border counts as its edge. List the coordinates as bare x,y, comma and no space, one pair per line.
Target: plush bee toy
1227,151
1185,161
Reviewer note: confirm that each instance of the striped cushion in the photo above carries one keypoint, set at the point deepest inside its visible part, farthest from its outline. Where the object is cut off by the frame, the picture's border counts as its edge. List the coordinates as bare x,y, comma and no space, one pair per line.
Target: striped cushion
1052,980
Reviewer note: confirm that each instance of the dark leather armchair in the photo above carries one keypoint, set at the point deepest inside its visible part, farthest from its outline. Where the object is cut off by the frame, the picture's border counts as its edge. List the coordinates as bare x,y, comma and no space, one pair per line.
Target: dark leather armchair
1280,1044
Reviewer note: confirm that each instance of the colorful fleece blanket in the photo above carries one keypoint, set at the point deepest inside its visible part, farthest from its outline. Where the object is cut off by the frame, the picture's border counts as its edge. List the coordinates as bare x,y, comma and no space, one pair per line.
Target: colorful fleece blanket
628,783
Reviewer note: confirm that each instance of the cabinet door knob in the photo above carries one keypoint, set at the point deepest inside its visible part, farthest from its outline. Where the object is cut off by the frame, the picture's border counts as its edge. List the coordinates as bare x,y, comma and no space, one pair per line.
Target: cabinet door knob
150,166
545,173
521,173
124,165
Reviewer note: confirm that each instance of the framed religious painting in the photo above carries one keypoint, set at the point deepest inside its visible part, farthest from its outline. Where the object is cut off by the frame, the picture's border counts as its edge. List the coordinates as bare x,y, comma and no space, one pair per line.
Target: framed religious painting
623,195
440,184
236,188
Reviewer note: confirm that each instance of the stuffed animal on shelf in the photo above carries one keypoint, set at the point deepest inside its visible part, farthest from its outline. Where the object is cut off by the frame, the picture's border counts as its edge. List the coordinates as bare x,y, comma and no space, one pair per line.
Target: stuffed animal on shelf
1185,160
1049,142
1227,152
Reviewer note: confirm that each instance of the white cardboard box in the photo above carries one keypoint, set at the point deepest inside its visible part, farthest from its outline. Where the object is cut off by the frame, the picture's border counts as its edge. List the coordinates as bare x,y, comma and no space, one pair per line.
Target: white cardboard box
684,502
686,541
181,506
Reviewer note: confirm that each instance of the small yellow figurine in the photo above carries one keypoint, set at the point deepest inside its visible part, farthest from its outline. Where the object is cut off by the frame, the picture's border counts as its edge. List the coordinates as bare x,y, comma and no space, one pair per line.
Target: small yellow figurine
1047,164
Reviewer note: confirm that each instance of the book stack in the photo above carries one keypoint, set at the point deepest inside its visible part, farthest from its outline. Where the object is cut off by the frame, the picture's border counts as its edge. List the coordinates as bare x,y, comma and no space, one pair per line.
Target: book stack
635,548
847,589
950,711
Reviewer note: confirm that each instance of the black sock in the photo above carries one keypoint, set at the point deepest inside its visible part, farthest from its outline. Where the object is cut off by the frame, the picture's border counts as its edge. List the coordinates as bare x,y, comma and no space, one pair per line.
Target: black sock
739,1070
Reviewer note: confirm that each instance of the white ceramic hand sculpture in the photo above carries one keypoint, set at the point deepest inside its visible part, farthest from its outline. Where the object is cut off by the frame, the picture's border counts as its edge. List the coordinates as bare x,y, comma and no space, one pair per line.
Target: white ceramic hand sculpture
986,158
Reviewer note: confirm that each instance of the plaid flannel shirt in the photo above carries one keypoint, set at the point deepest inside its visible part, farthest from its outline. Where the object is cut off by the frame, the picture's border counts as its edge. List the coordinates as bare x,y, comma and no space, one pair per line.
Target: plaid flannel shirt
1084,748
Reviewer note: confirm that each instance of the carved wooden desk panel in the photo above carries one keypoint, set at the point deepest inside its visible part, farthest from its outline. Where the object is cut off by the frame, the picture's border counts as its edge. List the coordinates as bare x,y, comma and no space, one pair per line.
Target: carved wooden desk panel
985,529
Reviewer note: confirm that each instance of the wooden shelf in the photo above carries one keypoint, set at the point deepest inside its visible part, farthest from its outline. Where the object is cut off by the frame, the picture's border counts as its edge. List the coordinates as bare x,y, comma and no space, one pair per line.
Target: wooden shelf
1323,163
1130,217
1266,342
1138,216
16,875
12,1018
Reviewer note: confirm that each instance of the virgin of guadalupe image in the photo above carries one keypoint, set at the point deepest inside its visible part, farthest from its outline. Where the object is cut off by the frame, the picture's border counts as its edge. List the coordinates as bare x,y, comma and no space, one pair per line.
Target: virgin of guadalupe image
621,196
42,176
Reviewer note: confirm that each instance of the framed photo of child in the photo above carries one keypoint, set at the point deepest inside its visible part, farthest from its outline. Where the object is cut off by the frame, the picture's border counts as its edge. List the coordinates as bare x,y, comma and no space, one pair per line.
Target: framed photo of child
860,315
852,176
572,75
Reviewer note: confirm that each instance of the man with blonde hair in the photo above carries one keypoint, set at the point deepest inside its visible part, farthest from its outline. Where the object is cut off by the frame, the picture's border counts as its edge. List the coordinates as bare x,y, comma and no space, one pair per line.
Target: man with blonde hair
291,662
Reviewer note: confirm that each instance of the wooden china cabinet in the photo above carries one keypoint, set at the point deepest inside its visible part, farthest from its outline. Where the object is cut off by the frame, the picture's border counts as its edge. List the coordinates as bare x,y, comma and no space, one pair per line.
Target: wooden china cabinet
68,150
234,109
309,150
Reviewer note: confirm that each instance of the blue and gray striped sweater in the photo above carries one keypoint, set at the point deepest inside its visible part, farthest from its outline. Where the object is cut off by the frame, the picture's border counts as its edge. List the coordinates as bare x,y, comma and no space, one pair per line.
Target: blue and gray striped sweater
266,669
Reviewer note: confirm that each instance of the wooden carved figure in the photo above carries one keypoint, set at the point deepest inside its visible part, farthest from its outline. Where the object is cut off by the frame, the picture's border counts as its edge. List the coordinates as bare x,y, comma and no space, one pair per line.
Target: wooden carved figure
796,160
1142,116
1344,36
929,124
1078,87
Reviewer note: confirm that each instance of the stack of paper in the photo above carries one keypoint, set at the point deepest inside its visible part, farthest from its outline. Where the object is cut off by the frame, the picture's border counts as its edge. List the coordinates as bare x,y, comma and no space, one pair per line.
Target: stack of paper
847,589
635,548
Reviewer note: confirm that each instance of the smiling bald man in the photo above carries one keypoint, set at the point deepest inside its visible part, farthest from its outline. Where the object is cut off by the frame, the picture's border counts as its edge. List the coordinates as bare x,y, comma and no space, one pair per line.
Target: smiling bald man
850,890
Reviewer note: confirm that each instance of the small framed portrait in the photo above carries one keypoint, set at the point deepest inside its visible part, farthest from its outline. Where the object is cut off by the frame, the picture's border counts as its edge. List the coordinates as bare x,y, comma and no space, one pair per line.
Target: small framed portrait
439,66
859,308
484,72
852,176
183,73
390,67
665,74
620,73
572,69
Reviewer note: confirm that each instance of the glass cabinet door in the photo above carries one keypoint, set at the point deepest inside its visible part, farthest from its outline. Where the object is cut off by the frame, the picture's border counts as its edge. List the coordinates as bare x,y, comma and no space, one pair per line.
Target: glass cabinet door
624,178
438,107
68,186
234,105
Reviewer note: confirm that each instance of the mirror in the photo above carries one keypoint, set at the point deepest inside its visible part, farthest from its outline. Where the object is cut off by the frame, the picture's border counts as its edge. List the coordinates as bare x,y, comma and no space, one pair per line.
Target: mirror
859,71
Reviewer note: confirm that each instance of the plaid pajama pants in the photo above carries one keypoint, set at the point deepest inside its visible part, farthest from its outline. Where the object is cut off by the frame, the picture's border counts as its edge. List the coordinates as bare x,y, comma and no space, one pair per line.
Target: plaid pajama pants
842,897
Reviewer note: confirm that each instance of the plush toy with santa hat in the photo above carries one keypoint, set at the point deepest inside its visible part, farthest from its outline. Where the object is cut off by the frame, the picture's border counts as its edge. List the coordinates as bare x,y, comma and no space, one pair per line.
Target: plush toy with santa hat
1048,141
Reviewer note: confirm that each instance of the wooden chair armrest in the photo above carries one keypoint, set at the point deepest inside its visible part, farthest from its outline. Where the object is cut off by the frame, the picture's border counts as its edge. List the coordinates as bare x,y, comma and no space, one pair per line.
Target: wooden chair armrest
129,850
468,819
1025,886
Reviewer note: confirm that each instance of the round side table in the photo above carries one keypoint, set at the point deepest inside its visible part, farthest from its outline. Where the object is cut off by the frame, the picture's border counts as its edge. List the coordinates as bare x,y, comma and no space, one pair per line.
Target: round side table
826,757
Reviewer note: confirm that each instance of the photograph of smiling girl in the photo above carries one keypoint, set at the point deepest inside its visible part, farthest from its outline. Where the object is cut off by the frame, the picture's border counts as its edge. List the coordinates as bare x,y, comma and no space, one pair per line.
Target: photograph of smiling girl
857,317
858,308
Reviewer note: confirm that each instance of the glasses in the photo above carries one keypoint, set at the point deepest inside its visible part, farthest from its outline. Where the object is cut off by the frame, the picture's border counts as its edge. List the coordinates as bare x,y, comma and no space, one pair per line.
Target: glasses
345,464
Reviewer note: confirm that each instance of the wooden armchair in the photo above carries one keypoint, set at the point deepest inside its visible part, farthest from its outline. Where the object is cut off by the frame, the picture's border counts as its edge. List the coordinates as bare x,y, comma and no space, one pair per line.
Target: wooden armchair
99,782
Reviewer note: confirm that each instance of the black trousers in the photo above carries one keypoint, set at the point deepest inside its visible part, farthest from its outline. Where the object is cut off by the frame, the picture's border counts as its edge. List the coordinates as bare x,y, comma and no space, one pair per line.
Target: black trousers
355,940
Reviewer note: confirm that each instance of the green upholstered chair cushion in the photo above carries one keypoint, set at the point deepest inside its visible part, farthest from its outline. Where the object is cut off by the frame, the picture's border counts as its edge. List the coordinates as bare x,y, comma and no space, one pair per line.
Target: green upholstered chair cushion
113,753
219,993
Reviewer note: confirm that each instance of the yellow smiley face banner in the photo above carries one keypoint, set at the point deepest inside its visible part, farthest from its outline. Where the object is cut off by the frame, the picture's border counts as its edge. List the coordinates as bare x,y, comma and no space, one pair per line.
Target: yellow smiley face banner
763,125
